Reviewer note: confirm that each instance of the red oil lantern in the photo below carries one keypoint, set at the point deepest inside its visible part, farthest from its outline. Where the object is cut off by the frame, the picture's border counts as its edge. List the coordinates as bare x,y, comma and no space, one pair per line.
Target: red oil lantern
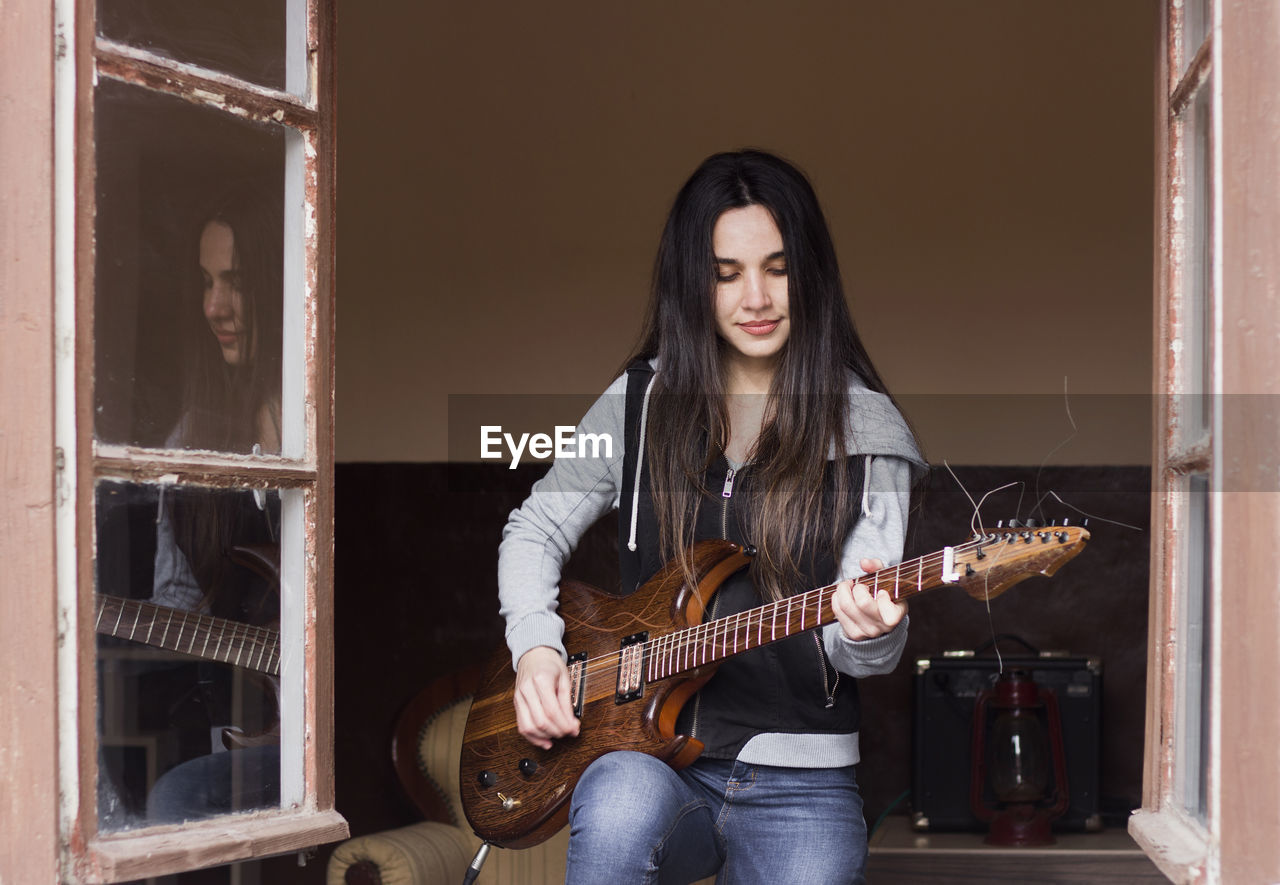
1019,770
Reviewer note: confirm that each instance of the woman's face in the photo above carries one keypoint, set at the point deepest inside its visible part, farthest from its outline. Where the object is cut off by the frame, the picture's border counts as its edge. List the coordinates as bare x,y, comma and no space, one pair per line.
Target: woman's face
223,301
751,286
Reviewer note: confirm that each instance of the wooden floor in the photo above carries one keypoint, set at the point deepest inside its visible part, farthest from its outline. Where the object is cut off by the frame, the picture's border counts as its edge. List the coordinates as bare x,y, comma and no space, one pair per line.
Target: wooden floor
901,856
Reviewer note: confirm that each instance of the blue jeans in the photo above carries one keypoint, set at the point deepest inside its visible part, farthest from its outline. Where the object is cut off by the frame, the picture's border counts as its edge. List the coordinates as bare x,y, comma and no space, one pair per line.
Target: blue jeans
219,783
634,820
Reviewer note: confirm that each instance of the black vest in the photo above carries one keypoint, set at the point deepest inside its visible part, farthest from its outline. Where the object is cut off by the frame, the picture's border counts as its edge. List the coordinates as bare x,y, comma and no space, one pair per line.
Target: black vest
787,686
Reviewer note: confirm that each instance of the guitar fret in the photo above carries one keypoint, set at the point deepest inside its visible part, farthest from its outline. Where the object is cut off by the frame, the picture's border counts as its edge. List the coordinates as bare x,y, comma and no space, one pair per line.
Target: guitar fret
167,622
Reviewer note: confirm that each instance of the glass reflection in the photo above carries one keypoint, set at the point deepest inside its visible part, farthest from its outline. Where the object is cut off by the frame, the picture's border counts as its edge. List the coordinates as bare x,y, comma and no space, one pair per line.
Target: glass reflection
187,614
243,38
190,263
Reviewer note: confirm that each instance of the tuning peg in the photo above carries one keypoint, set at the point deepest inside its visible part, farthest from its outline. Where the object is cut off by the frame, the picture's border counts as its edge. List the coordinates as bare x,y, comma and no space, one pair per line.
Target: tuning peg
1031,523
1013,524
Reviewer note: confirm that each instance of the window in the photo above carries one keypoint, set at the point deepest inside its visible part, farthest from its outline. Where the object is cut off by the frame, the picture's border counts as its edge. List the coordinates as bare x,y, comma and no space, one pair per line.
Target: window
1181,672
194,425
1212,773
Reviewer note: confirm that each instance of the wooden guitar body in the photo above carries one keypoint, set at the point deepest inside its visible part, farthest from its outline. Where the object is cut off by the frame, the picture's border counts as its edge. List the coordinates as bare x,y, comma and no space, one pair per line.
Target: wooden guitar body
517,794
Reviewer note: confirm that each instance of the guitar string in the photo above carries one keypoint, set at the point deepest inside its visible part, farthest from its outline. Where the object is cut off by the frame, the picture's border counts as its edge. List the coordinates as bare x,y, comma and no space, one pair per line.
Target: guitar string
694,639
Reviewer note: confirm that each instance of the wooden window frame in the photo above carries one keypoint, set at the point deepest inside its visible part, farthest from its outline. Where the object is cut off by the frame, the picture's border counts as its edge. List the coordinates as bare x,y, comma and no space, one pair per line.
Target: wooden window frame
85,58
1175,839
1239,61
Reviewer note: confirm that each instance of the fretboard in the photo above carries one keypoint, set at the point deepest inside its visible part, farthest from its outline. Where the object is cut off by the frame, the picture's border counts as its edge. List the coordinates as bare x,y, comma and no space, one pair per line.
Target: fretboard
682,650
201,636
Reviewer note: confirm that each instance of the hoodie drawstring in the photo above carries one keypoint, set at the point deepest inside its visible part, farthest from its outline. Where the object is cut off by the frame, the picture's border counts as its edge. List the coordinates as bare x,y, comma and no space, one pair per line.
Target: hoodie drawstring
866,488
635,492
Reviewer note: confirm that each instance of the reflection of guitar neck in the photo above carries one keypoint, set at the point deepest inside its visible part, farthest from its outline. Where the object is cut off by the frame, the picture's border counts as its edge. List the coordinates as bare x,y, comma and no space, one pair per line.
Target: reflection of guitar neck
201,636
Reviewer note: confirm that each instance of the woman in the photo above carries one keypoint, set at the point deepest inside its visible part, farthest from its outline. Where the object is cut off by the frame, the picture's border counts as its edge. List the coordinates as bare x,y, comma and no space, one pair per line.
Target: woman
231,403
760,419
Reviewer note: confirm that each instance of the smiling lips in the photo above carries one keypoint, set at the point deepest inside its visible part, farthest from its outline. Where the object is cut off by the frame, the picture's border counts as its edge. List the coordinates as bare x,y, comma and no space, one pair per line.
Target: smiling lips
759,327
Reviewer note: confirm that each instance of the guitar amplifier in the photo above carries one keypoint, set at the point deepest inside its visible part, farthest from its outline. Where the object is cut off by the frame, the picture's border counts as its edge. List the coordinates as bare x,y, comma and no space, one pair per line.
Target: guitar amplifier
946,690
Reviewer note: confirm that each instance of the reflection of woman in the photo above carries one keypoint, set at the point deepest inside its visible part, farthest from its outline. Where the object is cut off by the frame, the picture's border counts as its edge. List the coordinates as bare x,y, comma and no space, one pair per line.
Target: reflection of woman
753,413
231,400
231,403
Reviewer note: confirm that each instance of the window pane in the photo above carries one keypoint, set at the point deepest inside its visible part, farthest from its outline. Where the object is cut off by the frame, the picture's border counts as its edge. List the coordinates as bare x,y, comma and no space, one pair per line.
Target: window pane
190,244
1195,27
247,39
1197,280
187,614
1195,674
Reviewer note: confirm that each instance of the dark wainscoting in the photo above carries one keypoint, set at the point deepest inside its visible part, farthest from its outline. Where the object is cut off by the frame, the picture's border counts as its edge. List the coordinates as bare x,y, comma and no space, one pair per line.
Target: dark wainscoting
416,597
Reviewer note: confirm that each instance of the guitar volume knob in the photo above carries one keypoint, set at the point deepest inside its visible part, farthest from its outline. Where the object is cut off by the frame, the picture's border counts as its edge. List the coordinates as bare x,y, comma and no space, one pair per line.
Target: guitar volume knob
528,767
487,779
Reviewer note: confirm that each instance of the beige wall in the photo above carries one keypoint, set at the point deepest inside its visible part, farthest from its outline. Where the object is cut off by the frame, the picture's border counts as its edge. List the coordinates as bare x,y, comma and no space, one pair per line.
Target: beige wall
986,169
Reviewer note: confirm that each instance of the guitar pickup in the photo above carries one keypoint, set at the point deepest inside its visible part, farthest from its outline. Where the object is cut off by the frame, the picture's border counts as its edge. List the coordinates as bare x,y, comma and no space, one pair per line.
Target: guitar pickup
631,655
577,681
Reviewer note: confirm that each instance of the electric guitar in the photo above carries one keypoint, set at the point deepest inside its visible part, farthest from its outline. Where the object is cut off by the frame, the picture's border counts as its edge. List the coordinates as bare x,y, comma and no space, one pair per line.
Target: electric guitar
635,660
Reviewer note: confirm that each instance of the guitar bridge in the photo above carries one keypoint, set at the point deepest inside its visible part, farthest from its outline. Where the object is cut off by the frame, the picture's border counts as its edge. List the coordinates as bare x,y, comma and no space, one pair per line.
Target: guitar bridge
577,681
631,655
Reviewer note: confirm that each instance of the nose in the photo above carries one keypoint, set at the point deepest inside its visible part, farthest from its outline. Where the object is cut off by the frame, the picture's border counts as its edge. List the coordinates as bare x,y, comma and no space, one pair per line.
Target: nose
755,295
217,301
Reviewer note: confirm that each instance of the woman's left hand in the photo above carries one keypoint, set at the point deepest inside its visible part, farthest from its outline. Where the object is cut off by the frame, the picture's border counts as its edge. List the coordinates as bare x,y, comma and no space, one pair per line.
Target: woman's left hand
861,615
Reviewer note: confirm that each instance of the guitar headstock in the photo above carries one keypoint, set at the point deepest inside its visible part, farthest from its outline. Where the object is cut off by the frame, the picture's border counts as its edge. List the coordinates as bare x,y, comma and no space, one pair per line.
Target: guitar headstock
991,562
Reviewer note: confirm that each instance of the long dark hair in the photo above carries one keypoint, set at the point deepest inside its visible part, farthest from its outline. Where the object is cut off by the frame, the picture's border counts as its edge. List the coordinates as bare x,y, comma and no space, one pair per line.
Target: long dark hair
800,493
222,402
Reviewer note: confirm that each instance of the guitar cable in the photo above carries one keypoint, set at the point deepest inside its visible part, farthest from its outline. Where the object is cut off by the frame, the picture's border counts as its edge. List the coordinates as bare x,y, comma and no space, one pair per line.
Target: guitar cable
476,863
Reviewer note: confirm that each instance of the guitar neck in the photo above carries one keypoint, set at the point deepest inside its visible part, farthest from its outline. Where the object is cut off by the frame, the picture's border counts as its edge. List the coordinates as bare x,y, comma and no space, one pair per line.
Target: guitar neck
201,636
683,650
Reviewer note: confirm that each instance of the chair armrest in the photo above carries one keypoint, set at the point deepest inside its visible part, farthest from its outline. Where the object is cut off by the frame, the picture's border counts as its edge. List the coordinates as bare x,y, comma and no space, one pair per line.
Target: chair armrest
422,852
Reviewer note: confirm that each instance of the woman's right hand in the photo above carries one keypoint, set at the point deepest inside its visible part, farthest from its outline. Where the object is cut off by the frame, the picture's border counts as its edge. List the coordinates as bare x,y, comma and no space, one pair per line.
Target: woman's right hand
543,709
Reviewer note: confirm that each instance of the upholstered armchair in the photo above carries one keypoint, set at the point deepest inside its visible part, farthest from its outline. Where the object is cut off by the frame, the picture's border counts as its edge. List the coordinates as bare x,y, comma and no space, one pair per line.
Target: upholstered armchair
426,749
